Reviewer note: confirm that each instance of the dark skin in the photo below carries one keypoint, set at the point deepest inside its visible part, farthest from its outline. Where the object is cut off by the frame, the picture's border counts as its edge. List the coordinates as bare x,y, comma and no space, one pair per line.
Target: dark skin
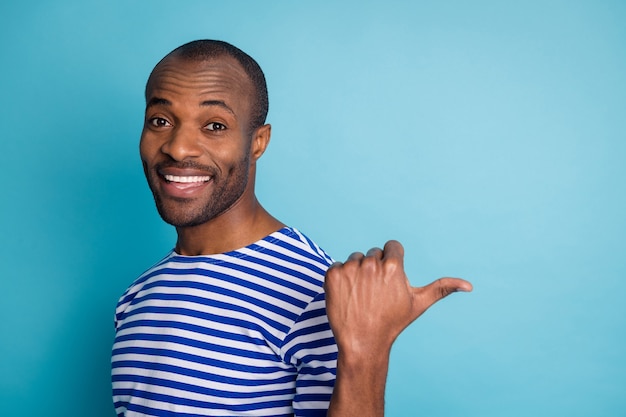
197,125
199,156
369,302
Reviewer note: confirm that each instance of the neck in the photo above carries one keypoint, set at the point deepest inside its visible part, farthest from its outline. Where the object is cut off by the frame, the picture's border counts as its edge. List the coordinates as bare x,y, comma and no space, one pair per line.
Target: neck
239,226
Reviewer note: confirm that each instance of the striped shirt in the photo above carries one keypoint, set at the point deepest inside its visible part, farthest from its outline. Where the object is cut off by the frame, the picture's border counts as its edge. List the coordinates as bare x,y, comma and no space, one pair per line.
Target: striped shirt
243,333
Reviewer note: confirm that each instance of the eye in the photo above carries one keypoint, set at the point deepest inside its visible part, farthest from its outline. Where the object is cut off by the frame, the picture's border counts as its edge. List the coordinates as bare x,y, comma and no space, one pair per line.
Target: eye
215,126
159,122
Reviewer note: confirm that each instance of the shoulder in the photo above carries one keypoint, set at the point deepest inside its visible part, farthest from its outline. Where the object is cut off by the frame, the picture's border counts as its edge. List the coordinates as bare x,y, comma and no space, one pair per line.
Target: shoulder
137,285
290,241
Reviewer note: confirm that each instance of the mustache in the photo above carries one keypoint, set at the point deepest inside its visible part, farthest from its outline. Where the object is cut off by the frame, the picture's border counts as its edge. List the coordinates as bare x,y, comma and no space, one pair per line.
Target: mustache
210,170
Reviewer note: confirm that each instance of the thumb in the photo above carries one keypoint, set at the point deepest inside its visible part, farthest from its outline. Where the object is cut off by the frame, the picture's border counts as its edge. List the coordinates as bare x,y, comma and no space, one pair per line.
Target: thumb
424,297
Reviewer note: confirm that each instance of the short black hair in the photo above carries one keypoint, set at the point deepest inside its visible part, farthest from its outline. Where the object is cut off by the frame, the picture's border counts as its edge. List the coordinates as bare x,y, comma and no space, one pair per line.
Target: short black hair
205,49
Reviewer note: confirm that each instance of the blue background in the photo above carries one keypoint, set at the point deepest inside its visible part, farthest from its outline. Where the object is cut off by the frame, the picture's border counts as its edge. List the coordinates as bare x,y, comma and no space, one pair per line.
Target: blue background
489,137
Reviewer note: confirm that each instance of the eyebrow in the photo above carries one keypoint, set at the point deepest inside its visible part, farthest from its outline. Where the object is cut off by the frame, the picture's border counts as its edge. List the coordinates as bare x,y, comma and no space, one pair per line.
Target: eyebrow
218,103
159,101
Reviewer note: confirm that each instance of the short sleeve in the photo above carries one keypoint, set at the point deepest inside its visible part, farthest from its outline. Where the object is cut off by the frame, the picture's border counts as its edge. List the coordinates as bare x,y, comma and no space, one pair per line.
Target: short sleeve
310,346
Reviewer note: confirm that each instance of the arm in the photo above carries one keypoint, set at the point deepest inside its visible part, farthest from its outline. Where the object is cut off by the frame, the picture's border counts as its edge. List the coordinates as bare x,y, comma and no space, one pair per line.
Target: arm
369,302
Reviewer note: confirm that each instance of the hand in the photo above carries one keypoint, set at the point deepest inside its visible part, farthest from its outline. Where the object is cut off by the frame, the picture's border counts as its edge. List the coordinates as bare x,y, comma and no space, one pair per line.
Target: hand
369,300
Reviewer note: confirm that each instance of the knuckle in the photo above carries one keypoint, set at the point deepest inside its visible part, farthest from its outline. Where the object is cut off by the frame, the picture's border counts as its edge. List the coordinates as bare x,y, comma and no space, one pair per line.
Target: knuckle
350,267
369,264
374,252
443,290
393,264
333,270
355,256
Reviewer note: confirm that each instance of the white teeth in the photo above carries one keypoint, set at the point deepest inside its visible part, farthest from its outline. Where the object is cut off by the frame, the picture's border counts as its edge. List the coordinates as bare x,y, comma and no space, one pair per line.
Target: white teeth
176,178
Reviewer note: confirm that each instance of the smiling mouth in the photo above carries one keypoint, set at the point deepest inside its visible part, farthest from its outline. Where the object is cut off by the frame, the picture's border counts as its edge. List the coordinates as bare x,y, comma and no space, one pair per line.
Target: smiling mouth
187,179
187,183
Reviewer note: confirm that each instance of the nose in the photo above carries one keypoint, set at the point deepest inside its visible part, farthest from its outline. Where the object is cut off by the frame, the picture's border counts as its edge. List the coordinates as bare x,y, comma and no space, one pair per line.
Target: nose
183,143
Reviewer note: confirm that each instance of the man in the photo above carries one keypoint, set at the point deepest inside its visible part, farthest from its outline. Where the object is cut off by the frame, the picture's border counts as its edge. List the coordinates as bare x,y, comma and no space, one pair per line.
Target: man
239,318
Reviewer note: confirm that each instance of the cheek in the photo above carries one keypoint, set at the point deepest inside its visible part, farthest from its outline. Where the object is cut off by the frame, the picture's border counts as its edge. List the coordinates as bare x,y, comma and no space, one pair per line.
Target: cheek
145,149
229,158
145,167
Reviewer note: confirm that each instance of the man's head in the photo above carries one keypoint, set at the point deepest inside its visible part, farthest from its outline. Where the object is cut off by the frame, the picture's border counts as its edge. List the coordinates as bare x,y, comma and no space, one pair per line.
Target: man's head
207,49
206,104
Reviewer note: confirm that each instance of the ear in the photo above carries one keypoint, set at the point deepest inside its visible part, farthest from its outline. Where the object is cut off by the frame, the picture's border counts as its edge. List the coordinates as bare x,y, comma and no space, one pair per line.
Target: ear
260,140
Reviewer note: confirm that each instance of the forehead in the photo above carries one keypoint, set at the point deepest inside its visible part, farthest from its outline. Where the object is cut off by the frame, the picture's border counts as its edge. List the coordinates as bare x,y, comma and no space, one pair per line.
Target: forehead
188,79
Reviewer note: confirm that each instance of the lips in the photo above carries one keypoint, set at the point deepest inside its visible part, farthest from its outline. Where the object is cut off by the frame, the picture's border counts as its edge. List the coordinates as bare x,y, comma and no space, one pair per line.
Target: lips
183,183
187,179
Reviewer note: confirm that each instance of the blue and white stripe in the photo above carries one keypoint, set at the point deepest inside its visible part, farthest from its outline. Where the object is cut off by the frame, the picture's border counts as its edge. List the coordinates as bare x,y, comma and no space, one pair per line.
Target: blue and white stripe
243,333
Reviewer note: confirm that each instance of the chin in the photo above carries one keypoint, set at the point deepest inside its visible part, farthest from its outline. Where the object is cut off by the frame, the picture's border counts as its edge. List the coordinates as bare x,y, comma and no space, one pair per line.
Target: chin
186,218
